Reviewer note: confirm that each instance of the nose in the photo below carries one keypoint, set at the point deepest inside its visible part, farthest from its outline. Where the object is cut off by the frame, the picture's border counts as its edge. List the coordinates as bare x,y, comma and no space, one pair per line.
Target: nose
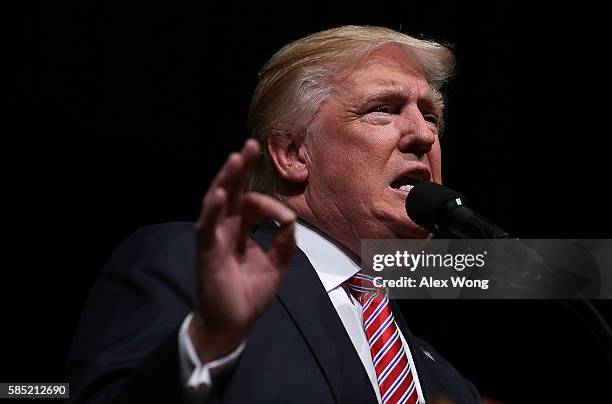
416,134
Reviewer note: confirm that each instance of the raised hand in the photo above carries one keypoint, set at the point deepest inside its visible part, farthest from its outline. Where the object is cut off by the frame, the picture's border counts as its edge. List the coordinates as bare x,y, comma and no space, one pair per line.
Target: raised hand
236,279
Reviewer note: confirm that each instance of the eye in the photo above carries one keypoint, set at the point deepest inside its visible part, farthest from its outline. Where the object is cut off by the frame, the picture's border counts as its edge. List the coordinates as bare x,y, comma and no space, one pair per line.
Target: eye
384,109
432,118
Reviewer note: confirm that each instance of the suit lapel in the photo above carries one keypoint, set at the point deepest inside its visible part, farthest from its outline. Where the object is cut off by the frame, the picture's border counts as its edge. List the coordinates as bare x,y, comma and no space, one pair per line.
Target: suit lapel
424,363
308,304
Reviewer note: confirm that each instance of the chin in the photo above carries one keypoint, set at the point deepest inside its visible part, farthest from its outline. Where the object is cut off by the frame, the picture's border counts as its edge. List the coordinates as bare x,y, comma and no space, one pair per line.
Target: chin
398,225
419,232
408,229
398,229
411,232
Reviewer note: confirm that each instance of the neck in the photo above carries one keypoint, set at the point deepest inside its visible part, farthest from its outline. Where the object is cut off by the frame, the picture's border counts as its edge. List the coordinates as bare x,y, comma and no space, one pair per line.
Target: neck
330,224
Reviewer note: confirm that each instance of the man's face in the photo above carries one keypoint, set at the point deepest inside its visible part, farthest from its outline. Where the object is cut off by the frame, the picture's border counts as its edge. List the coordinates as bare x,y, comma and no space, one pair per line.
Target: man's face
373,137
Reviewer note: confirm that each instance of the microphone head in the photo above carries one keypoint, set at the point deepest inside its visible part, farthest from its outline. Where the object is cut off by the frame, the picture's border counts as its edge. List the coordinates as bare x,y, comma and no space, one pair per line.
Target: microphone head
425,200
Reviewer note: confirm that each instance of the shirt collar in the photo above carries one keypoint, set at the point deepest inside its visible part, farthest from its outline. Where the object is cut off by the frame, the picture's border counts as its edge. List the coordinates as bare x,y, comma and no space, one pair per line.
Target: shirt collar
333,266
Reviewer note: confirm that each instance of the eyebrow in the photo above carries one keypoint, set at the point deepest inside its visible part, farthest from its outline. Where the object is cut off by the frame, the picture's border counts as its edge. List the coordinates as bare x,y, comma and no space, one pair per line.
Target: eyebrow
390,89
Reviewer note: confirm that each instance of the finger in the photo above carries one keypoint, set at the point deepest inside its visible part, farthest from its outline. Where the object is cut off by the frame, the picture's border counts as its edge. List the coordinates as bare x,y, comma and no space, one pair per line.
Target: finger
249,154
255,207
212,210
283,245
228,172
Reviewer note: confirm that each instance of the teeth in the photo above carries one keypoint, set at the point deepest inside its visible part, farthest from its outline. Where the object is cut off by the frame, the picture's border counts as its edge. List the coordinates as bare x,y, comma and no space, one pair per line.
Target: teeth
405,188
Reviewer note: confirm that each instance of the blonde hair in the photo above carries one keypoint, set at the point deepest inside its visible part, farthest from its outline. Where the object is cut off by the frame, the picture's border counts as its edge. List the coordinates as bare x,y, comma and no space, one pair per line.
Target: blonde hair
299,77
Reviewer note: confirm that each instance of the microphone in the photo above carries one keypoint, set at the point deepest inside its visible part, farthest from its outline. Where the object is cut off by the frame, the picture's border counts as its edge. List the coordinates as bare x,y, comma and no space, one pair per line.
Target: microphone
445,213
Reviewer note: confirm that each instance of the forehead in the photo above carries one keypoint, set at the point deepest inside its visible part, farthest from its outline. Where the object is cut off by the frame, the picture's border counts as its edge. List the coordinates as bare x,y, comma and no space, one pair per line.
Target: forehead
390,66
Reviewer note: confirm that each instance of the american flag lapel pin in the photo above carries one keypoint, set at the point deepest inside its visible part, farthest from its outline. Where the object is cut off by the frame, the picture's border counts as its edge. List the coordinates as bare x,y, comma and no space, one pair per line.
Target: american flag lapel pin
428,354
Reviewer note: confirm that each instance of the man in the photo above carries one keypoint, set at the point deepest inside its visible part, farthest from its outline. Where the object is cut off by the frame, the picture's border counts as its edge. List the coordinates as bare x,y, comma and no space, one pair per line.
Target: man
347,120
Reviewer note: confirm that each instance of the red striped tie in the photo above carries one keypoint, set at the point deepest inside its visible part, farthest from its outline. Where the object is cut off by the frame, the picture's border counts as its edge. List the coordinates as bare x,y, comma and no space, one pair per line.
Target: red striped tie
393,372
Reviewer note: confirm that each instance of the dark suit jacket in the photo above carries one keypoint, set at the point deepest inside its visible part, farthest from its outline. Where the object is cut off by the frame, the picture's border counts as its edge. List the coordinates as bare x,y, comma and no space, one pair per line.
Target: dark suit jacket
125,348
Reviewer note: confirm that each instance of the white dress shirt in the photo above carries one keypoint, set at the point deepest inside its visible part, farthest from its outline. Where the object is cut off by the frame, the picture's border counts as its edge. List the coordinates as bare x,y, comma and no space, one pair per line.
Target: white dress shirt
334,267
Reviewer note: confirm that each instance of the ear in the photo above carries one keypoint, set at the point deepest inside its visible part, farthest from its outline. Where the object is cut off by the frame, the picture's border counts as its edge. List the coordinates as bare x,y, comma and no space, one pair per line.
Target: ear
287,152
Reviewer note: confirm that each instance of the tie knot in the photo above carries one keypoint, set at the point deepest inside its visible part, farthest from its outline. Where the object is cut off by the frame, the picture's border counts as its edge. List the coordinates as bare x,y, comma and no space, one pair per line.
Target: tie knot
361,285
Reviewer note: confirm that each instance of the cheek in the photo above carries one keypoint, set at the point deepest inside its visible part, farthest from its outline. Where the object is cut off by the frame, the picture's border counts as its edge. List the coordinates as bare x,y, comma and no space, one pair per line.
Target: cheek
331,168
435,162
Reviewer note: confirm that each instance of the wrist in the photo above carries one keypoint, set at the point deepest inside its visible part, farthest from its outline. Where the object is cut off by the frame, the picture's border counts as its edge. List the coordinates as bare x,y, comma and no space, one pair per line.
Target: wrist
210,344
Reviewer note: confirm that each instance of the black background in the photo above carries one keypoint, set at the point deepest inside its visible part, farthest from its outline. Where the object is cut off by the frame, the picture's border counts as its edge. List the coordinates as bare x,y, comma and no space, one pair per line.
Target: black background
131,108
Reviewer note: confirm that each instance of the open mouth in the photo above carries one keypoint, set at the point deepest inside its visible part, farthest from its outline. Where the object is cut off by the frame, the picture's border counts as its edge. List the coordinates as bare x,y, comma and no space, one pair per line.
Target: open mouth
404,184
